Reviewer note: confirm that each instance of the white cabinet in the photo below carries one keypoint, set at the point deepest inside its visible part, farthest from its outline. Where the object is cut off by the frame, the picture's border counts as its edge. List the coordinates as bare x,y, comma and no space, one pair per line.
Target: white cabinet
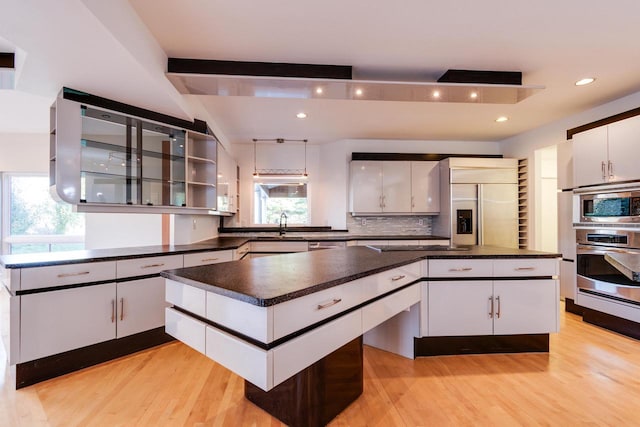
140,306
607,153
590,157
458,308
425,187
396,187
525,307
58,321
564,168
205,258
624,137
378,187
241,252
462,308
366,186
227,181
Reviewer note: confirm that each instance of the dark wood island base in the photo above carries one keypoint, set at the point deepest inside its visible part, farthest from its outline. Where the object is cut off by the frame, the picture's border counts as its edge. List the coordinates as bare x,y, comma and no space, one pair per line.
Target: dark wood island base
316,395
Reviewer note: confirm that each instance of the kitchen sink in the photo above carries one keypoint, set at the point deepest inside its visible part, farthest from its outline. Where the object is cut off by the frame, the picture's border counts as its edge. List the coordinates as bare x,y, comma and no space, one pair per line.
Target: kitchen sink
393,248
285,237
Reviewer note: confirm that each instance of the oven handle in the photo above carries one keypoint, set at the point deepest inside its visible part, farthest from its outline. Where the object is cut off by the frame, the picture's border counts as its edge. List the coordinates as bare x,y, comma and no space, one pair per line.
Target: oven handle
601,250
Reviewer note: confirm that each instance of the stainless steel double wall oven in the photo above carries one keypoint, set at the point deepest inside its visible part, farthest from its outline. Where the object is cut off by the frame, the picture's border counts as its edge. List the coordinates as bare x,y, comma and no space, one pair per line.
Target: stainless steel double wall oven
615,217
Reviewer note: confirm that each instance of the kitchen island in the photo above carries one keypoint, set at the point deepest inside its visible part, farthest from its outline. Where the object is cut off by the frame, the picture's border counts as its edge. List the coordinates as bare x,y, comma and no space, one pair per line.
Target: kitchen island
293,325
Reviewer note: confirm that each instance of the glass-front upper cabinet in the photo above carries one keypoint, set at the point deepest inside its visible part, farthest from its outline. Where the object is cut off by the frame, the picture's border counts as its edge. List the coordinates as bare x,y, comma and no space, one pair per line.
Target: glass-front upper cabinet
107,161
130,161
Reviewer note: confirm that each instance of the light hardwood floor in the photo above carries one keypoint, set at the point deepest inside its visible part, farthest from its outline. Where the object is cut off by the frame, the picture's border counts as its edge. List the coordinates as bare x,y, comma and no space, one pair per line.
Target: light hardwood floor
591,377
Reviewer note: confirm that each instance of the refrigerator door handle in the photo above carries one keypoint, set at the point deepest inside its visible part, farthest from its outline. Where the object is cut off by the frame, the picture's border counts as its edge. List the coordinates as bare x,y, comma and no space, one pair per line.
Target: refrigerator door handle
480,215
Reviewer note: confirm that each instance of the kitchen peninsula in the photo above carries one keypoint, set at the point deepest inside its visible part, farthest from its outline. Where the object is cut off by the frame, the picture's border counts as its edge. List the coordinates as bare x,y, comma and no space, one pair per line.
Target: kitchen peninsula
293,325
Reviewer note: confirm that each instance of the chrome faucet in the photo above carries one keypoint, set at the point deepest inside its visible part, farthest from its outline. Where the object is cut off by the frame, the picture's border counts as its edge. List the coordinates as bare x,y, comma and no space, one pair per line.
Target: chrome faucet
282,229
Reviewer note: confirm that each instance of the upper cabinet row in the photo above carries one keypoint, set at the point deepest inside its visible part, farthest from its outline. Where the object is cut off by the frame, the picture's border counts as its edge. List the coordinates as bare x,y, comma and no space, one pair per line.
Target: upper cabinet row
108,161
606,154
394,187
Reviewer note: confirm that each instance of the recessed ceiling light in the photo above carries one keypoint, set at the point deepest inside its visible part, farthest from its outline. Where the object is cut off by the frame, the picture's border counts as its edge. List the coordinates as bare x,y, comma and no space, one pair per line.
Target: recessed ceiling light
585,81
319,90
301,115
359,92
474,95
502,119
436,94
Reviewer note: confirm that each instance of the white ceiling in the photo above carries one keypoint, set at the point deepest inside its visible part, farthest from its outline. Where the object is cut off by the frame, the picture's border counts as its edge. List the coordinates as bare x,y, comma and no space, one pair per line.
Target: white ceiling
106,49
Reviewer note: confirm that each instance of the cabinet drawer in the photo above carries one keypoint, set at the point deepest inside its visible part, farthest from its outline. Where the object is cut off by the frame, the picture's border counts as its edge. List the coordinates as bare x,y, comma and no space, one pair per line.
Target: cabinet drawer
282,246
387,281
247,319
248,361
186,297
242,251
187,329
204,258
67,274
381,310
525,267
372,243
146,266
301,352
460,268
293,315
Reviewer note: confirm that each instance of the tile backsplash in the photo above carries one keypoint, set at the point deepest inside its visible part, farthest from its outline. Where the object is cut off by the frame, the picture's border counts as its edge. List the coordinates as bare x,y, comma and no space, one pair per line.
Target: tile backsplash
391,225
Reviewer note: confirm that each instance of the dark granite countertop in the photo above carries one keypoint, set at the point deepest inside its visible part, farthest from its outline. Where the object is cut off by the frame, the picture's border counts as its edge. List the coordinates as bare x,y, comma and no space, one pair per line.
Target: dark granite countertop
271,280
216,244
96,255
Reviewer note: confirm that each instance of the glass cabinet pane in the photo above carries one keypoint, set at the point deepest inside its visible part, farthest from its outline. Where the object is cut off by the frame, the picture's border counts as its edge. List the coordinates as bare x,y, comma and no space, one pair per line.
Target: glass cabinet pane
108,173
163,165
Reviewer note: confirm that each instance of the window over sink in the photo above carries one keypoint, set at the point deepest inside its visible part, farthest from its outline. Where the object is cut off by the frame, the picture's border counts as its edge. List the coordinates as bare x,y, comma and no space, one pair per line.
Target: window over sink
272,198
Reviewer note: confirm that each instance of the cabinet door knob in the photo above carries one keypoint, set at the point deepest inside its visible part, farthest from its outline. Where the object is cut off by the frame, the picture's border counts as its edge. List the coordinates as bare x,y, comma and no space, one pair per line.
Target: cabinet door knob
498,311
491,307
82,273
113,311
602,166
461,269
121,309
525,268
610,166
209,259
398,277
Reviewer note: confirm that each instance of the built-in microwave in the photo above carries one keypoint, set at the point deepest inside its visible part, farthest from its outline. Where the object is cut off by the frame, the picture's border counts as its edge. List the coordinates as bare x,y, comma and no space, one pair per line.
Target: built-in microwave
610,207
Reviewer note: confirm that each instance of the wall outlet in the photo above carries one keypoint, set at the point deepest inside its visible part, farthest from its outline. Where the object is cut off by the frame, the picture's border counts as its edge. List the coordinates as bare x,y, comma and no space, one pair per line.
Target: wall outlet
363,222
420,221
194,224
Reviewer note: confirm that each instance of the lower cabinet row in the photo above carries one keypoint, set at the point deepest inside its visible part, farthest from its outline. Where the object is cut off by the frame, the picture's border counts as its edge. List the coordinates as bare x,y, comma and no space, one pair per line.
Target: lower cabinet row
488,307
268,368
57,321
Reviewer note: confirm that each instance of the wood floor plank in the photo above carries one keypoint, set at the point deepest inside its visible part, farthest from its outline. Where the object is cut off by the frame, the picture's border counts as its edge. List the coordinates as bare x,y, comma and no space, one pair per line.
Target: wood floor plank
591,377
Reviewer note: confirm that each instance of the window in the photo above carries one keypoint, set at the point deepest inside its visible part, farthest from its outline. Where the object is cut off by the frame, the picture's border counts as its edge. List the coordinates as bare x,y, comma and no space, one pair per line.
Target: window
273,198
32,221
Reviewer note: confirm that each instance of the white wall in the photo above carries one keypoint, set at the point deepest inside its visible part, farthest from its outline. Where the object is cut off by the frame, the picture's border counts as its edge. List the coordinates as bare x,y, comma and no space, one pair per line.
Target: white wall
24,152
117,230
328,168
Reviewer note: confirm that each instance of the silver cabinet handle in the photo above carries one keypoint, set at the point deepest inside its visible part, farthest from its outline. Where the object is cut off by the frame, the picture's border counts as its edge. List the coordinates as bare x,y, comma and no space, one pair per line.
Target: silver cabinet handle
525,268
602,166
329,304
461,269
491,309
152,265
498,312
380,201
82,273
398,277
384,205
121,309
113,310
413,204
610,166
209,259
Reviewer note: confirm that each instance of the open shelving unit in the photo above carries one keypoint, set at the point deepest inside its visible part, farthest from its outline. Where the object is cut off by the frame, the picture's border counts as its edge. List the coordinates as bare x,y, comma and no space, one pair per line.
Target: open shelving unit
523,204
202,155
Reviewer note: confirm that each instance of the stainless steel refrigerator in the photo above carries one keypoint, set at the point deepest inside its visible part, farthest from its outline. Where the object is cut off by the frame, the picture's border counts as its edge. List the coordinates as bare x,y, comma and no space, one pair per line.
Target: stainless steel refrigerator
480,199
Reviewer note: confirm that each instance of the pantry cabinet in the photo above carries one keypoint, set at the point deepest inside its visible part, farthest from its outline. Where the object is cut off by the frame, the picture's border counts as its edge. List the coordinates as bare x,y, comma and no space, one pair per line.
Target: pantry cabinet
425,187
